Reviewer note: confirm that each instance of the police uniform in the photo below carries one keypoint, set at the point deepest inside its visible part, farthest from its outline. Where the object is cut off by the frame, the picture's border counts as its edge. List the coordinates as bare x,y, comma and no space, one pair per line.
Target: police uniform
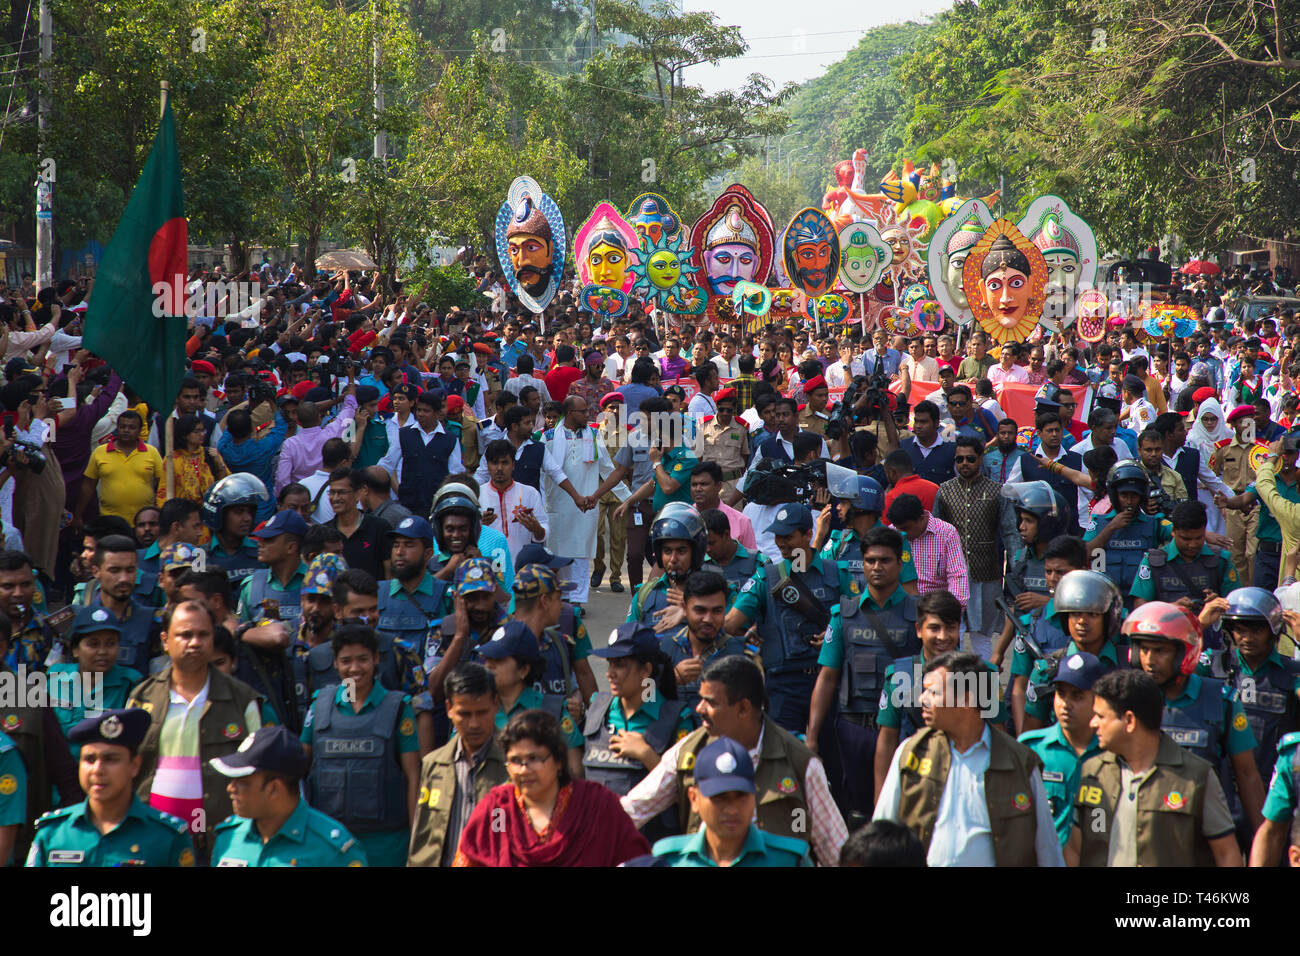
741,568
1267,695
1061,768
1129,545
306,838
652,597
69,703
261,586
1268,536
1039,694
814,422
1042,627
408,615
514,639
238,565
724,766
13,786
845,549
727,446
144,837
356,775
678,648
1280,802
1165,575
1232,461
900,706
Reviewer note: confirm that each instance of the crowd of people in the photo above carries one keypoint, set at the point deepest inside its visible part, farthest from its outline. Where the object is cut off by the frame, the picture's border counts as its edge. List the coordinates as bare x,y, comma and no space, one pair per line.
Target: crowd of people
329,609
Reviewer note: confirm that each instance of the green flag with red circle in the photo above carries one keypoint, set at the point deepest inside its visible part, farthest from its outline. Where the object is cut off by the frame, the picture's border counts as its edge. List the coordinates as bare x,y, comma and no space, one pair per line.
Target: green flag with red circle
136,319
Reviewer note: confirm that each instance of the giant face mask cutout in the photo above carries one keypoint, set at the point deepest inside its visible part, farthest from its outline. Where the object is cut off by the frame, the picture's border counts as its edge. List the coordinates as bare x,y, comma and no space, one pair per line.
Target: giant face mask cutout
1007,275
811,252
735,240
530,243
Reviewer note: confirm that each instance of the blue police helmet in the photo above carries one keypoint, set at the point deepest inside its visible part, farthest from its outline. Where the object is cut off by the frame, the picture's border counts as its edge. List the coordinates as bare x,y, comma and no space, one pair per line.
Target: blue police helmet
861,491
1041,500
239,488
1254,604
1128,475
678,521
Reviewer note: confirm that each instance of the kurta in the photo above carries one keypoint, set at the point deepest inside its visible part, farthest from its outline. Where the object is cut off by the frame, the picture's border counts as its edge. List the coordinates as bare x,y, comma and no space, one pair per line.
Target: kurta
586,463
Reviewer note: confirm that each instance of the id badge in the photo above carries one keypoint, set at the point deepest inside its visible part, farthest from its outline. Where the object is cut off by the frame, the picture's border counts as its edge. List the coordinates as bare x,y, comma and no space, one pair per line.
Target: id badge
637,518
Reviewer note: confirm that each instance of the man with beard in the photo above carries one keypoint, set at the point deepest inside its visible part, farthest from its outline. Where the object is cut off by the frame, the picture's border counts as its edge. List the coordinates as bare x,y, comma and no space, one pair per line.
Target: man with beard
475,616
114,567
412,599
730,252
531,248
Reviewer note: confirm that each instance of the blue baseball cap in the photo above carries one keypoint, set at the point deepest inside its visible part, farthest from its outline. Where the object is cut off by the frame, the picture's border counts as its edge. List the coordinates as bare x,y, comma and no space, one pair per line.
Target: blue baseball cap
125,727
512,639
537,554
269,748
475,574
89,620
790,518
283,522
724,766
413,527
1080,670
631,639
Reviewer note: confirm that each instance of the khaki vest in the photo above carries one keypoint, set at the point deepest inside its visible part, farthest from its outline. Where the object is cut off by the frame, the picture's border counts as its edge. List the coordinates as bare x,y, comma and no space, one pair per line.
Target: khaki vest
221,731
924,761
779,778
1170,807
437,793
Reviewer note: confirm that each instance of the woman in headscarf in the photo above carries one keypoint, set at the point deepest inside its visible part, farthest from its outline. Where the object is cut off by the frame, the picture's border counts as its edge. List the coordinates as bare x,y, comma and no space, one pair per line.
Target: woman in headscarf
1207,432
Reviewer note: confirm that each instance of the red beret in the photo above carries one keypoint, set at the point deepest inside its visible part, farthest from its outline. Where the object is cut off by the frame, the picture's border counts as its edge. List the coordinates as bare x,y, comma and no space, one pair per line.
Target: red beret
201,366
611,398
725,395
1241,411
455,404
482,348
1202,393
302,388
816,382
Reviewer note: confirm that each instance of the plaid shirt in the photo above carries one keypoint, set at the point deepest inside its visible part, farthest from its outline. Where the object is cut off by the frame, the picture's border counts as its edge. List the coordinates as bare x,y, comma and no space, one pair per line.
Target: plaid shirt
940,563
744,386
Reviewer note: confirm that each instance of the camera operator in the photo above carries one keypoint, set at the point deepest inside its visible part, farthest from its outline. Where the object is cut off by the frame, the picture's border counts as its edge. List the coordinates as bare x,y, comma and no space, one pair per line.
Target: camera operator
771,483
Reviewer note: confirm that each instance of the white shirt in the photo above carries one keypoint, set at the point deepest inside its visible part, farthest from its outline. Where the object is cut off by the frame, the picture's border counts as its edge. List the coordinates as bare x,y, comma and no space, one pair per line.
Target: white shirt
702,404
319,481
761,516
963,835
549,468
837,375
392,460
727,368
392,427
504,504
998,374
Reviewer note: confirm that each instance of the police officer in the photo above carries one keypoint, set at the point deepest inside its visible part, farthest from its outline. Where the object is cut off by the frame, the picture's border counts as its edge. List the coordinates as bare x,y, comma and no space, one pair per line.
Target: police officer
565,645
725,440
723,796
1127,532
1145,801
1280,804
1201,714
864,636
1040,517
1265,683
705,595
112,826
1064,746
1064,554
115,568
628,727
272,825
444,805
859,501
1088,609
515,660
475,617
273,590
229,510
1231,460
736,562
459,533
792,603
679,541
360,738
13,797
1186,571
413,598
94,644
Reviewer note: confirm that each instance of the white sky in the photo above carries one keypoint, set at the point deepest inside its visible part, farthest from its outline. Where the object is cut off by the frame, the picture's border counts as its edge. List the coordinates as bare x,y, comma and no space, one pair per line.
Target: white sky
785,52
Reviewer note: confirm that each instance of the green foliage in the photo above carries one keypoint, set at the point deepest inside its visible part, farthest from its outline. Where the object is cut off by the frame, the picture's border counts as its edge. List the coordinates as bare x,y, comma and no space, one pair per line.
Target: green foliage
443,286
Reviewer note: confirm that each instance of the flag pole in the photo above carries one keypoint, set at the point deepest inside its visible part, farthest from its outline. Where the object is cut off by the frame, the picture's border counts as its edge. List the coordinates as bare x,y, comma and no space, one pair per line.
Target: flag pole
169,465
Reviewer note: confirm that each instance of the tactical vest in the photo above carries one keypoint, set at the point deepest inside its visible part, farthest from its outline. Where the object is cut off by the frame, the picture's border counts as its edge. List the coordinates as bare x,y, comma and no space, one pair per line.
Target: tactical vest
1269,701
604,766
653,599
909,710
271,674
221,730
146,589
424,466
1198,727
1170,807
1032,570
355,774
740,569
528,464
133,642
782,805
924,761
849,551
438,786
1126,549
557,678
1202,573
320,672
238,566
26,728
407,616
290,601
784,633
867,653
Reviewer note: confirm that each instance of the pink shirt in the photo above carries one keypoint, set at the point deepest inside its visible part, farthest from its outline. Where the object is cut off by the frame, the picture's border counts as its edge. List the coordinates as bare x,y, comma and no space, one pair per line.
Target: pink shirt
742,529
1016,373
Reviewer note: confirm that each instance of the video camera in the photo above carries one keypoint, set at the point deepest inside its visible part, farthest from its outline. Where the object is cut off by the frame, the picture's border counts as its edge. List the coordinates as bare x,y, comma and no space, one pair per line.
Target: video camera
782,482
864,401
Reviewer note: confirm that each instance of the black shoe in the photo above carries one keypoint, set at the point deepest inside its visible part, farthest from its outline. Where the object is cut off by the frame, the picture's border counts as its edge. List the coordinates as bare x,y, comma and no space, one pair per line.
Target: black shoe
595,581
616,586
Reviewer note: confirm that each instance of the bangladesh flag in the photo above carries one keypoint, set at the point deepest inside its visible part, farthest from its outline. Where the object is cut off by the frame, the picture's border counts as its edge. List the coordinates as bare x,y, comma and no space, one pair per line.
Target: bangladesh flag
136,318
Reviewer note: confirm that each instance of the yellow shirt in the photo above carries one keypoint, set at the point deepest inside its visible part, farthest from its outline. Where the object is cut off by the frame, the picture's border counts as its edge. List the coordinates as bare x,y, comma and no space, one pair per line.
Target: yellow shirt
126,480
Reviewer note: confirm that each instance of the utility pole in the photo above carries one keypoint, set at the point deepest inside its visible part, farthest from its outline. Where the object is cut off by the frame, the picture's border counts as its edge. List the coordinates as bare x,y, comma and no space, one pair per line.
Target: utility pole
45,179
381,138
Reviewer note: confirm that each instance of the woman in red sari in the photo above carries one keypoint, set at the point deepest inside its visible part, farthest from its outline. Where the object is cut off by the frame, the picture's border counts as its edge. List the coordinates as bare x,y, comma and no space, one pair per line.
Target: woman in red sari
543,817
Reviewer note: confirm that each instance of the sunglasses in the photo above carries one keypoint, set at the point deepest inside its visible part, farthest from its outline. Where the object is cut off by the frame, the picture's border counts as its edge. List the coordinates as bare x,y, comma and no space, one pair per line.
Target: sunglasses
965,458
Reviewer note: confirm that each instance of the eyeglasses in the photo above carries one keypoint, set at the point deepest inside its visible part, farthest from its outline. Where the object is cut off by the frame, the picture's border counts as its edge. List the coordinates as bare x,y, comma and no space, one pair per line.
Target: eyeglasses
530,761
965,458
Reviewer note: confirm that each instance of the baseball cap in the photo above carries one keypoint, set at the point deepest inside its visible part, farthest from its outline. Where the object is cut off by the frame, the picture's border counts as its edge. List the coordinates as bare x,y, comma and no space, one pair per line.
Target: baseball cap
1134,384
268,748
182,554
367,393
512,639
322,571
1080,670
283,522
534,580
413,527
537,554
475,574
125,727
631,639
791,517
724,766
90,620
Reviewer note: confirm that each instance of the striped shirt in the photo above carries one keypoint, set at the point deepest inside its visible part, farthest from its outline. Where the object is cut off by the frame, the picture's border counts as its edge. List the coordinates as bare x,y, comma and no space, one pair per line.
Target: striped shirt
940,563
463,803
178,781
